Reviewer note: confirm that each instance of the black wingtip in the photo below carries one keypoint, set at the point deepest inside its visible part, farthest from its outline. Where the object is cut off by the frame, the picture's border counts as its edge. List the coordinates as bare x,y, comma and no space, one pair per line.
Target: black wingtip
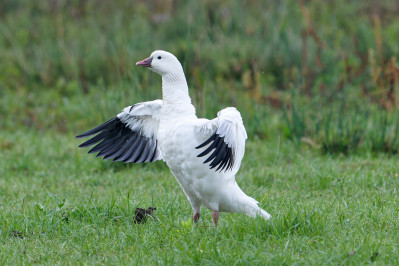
222,157
115,140
97,129
207,141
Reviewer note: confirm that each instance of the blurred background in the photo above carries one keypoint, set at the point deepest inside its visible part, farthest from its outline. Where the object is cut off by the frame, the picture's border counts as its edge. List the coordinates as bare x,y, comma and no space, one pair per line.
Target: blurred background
322,74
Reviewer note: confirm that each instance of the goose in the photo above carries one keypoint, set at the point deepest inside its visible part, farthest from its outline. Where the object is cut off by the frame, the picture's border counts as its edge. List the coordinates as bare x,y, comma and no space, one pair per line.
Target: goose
203,155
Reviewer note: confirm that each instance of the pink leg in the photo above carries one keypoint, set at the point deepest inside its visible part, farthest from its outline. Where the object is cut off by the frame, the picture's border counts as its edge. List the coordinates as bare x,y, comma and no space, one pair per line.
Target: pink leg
196,217
215,217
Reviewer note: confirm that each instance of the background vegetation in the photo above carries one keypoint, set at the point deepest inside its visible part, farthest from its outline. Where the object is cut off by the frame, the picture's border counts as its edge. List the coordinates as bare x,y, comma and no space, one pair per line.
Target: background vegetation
316,82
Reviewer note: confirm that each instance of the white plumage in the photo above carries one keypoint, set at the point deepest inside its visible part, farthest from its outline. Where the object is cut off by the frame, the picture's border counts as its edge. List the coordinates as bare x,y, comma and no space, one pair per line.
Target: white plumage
203,155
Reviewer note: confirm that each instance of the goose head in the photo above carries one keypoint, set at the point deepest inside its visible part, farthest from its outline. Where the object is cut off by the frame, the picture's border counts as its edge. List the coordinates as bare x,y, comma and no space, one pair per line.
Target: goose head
162,62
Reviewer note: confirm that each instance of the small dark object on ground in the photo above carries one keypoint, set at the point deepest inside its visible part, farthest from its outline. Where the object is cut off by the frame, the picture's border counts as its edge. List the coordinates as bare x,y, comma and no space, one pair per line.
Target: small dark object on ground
374,256
17,234
140,215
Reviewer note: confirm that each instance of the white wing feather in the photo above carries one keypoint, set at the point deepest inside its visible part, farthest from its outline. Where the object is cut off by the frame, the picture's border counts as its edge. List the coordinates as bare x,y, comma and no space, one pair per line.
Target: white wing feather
143,117
229,126
131,136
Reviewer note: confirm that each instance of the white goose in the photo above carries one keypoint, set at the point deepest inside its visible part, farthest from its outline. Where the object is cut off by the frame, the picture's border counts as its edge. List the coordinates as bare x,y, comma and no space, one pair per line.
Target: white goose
169,129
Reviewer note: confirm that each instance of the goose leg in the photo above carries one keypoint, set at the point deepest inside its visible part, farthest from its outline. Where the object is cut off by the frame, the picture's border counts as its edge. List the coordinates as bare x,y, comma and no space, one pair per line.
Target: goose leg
215,217
196,217
196,209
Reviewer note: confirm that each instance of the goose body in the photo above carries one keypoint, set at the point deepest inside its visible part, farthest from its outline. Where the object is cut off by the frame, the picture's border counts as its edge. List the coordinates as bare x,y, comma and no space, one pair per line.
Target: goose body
203,155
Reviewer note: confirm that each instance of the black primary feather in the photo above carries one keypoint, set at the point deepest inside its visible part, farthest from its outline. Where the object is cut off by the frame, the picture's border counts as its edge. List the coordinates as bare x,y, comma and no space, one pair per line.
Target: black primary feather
206,142
94,140
98,129
222,156
131,147
115,140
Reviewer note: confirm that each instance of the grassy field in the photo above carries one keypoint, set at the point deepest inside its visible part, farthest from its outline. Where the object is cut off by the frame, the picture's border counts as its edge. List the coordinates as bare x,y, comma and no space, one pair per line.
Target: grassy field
317,84
70,207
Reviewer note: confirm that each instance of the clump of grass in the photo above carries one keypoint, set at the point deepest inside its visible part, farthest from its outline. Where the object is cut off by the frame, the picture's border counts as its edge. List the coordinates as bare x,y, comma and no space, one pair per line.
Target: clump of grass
337,130
334,132
303,223
295,123
342,132
383,133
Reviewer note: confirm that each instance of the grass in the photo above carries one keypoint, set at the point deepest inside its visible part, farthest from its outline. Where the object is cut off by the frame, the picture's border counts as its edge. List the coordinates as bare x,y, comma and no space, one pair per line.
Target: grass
71,208
315,81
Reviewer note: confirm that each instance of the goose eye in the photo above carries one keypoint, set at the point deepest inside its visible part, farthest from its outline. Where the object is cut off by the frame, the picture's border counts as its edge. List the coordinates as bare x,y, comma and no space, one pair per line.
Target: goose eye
159,57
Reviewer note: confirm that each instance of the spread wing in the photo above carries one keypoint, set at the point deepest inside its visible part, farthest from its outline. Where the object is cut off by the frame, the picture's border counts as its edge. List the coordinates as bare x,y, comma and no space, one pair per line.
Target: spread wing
131,136
225,145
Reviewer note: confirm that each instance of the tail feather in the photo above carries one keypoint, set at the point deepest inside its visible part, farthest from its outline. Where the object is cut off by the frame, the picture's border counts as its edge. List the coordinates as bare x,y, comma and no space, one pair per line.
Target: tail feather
249,206
265,214
254,211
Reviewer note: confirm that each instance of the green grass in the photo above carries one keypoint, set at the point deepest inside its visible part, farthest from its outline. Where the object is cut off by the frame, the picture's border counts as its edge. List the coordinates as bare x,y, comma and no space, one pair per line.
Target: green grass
72,207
